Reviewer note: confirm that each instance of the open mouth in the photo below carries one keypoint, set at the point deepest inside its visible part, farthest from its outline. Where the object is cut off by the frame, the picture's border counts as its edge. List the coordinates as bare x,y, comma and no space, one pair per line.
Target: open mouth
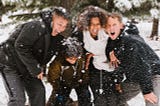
112,33
95,31
57,32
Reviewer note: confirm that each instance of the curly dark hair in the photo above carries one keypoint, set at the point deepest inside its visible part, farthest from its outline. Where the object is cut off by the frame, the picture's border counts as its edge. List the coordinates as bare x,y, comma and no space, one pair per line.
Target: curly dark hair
88,13
100,15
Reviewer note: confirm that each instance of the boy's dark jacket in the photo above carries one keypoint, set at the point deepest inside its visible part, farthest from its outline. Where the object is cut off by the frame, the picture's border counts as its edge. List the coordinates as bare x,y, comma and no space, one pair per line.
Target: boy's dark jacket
61,74
138,61
28,46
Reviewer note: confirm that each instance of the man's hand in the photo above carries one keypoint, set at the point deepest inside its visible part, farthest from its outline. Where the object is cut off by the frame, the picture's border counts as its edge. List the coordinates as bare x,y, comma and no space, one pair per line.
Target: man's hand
151,97
40,76
114,62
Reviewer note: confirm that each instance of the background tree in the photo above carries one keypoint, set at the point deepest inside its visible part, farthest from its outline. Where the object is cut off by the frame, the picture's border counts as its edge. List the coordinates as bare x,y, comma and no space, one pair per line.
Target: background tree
141,9
155,15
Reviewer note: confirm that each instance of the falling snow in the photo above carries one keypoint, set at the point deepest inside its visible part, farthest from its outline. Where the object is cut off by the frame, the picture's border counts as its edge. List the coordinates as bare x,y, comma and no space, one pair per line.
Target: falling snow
144,31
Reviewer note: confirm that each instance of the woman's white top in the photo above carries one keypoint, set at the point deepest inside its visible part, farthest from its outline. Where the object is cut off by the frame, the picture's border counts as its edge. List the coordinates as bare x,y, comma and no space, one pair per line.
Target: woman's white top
97,47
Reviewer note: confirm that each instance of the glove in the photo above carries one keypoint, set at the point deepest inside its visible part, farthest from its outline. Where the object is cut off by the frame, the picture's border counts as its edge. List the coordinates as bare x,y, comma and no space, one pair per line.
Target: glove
60,98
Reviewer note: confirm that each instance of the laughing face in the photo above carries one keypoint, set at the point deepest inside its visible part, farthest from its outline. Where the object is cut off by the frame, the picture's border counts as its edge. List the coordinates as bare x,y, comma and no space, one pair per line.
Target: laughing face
59,25
94,26
113,27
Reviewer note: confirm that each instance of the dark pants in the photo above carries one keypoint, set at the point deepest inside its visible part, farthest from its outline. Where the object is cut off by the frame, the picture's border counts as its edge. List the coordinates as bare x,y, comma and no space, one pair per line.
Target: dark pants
109,97
62,98
16,87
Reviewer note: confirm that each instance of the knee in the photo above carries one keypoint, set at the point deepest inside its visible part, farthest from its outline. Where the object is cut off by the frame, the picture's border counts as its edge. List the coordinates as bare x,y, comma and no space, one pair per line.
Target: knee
16,101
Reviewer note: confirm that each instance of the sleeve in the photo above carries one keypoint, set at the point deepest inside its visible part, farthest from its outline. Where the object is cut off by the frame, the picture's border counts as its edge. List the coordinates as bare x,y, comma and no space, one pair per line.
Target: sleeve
138,67
23,45
85,73
145,74
54,75
109,47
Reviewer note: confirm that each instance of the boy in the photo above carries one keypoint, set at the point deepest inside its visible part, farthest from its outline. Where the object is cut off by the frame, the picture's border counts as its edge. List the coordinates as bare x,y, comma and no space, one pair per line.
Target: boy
138,61
67,72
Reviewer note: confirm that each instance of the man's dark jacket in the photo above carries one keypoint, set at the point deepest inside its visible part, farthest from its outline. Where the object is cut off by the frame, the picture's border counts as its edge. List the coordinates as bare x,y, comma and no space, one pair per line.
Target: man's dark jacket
138,61
30,47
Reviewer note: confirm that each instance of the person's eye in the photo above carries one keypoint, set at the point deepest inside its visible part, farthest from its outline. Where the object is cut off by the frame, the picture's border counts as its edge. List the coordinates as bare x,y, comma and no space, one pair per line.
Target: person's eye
59,24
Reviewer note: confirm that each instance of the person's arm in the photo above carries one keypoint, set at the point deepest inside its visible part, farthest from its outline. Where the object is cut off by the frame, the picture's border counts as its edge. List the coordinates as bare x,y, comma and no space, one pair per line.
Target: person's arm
88,57
109,48
114,62
138,67
109,51
23,45
144,72
134,63
84,72
151,97
54,72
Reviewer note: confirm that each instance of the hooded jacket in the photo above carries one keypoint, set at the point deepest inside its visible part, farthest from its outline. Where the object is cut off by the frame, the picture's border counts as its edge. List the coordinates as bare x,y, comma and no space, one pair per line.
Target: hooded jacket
63,74
138,61
28,46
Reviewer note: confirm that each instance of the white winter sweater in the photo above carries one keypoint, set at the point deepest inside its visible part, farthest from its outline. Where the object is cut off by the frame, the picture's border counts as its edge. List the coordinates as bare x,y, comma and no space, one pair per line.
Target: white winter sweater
97,47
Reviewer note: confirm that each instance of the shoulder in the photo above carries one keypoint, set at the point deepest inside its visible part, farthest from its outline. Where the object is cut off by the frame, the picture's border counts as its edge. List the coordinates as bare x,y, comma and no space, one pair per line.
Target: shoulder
34,25
129,39
56,62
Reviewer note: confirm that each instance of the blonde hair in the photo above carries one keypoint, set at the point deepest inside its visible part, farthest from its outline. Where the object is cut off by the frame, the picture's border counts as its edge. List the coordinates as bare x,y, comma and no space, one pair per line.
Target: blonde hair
114,15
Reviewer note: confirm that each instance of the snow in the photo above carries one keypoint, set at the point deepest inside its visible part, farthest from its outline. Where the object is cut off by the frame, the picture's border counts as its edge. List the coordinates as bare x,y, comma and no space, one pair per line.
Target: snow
154,13
3,93
123,5
145,31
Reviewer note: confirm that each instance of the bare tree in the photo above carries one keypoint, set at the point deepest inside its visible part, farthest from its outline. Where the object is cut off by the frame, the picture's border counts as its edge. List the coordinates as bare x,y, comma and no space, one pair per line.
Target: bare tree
154,34
155,28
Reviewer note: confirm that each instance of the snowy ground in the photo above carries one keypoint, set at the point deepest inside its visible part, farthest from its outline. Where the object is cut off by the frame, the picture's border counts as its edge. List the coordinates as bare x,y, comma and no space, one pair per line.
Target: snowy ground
145,31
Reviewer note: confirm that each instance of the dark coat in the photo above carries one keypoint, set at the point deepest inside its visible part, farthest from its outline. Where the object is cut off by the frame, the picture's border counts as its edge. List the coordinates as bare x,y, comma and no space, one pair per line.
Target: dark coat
61,73
64,76
138,61
28,46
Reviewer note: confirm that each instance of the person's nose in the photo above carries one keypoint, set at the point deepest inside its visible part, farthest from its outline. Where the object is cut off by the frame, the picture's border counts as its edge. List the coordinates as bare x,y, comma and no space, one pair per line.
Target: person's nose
96,27
112,28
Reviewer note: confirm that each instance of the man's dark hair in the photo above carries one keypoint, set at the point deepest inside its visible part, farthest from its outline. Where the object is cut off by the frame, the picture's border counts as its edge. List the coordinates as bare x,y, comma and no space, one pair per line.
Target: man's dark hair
62,12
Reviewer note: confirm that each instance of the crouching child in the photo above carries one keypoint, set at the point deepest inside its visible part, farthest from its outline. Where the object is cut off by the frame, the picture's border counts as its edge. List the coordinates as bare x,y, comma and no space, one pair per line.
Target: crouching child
67,72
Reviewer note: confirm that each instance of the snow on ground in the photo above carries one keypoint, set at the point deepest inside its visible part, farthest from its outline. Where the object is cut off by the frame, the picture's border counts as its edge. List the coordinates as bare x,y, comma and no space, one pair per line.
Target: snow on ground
145,31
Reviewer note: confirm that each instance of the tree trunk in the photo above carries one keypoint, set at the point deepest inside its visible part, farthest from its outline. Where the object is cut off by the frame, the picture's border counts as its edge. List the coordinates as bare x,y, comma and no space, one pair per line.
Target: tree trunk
154,33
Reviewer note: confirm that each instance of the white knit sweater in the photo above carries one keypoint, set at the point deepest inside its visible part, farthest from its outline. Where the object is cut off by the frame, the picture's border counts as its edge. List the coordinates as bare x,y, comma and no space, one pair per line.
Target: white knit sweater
97,47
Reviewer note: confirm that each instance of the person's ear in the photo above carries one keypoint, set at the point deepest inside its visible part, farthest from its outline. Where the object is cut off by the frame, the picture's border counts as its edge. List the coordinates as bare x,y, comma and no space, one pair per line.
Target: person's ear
122,25
52,23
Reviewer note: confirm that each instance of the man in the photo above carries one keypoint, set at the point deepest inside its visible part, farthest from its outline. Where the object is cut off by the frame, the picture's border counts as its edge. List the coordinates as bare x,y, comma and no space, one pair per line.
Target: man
95,40
26,52
138,61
